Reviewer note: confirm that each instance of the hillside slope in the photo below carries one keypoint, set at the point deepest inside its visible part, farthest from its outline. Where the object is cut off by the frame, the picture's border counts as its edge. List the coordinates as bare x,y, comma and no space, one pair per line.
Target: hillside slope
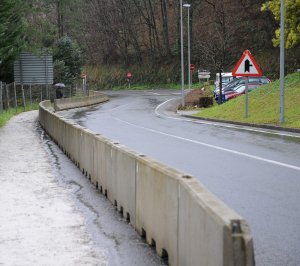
263,105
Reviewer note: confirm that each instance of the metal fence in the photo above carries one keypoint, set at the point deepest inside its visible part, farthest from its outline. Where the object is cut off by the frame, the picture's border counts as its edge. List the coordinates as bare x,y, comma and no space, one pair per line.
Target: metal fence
15,95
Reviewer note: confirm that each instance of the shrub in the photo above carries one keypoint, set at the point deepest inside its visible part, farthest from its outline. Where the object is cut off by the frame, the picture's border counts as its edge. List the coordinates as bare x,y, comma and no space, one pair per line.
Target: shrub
206,101
67,60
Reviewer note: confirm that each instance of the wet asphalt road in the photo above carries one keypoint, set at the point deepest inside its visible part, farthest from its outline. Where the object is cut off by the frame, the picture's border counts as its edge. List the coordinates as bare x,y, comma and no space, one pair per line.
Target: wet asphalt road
256,173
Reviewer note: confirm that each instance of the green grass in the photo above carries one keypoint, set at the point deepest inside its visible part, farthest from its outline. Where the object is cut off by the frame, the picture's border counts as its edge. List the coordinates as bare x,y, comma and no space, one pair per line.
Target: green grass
263,105
8,114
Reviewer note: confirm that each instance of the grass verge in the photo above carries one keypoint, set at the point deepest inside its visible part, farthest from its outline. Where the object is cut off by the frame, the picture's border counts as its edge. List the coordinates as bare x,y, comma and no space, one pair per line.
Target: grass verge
8,114
263,105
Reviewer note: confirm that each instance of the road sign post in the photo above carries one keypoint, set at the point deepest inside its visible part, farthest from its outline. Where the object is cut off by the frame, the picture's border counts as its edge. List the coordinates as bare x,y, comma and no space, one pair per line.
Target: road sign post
247,67
84,83
192,69
246,97
281,118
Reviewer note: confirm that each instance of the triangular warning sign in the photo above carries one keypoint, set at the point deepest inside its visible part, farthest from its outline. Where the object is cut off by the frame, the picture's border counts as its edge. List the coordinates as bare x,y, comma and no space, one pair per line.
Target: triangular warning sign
246,66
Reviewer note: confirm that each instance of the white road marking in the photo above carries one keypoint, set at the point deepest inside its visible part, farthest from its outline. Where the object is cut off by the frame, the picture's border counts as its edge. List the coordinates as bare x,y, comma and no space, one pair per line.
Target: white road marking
246,128
213,146
116,108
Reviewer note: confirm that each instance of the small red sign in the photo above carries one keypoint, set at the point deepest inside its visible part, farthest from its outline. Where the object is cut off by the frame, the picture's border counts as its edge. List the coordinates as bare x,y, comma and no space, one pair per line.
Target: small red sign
129,75
192,67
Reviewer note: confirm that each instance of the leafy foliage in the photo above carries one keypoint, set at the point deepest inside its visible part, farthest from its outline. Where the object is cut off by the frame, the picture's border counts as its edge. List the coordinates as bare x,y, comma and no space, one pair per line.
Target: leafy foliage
292,20
67,60
12,28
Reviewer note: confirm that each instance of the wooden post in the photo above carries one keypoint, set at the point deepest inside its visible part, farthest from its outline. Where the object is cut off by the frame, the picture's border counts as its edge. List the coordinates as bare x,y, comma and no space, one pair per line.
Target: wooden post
7,95
1,103
30,95
23,96
16,102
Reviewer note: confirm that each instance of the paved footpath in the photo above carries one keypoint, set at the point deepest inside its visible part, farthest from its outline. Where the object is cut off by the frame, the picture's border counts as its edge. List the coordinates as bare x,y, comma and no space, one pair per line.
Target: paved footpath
39,224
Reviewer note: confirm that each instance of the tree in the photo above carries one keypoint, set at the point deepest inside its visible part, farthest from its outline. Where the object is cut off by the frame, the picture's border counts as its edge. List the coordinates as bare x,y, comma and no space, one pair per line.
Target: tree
12,29
292,21
67,60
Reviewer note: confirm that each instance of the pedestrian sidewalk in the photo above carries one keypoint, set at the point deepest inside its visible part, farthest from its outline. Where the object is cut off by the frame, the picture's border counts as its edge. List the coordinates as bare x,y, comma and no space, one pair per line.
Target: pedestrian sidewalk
39,225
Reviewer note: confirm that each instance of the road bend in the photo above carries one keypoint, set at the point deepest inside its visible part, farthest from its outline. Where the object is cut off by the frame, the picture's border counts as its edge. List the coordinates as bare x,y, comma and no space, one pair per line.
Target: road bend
256,172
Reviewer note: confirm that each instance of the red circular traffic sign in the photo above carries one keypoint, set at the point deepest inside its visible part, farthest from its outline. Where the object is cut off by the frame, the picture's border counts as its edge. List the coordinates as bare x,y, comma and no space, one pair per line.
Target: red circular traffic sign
192,67
129,75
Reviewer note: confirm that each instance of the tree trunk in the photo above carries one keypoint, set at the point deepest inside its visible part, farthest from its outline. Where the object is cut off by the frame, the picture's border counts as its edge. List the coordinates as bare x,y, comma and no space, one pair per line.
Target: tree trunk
164,14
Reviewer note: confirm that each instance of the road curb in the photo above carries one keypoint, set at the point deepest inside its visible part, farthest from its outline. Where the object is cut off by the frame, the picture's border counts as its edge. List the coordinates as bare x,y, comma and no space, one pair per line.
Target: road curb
293,130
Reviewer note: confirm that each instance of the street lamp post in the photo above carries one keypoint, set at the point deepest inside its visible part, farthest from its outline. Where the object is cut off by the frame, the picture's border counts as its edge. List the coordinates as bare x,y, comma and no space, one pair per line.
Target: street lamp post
182,63
281,120
189,45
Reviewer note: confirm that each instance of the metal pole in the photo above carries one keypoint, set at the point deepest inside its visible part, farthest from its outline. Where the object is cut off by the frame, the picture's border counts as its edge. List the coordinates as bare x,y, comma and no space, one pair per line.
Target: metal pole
246,97
189,49
281,120
182,62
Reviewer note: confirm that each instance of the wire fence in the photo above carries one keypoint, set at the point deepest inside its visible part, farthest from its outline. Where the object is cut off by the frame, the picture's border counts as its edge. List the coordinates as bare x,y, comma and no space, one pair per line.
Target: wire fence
17,95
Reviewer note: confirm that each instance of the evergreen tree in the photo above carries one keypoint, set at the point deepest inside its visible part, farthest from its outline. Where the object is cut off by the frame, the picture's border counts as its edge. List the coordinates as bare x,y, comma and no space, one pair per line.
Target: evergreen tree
67,60
12,28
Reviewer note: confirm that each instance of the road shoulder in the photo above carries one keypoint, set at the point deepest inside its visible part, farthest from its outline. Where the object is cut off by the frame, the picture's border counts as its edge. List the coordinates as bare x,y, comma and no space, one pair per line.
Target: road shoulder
39,224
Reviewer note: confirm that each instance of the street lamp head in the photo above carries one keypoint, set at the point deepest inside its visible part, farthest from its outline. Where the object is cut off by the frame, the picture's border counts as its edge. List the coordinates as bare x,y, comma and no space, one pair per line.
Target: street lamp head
187,5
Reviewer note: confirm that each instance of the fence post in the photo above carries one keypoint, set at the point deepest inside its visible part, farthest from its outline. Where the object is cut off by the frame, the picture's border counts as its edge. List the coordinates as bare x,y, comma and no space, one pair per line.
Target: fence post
1,103
15,92
30,94
48,90
7,96
23,96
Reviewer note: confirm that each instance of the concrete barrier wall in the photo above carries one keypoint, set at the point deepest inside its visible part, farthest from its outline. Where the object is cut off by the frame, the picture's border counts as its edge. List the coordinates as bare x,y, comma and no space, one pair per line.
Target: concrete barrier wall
172,210
157,206
69,103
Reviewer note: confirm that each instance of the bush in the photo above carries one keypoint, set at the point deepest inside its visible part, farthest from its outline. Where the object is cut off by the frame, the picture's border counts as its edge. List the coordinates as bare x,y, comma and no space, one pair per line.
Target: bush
67,60
206,101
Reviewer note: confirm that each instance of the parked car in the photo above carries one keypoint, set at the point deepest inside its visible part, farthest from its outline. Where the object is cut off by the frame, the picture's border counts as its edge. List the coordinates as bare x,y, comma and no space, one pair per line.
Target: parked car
239,90
226,78
241,81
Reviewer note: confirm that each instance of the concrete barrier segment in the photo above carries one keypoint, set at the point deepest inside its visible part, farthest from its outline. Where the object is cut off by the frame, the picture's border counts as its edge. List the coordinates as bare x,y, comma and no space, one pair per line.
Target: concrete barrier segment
157,206
223,237
76,102
122,184
172,210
